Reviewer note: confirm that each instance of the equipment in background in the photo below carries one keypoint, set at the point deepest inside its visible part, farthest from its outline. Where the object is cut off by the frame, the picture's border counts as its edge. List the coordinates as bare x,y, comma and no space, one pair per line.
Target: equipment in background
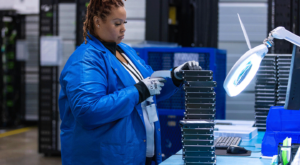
48,84
283,13
12,72
225,142
191,23
197,127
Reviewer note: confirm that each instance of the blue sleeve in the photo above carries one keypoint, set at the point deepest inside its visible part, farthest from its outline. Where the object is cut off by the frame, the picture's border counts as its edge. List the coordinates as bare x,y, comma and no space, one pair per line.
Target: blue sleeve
86,85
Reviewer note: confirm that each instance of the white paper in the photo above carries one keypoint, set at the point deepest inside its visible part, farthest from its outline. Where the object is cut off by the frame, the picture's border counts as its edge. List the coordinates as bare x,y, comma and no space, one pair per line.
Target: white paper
51,51
152,114
161,73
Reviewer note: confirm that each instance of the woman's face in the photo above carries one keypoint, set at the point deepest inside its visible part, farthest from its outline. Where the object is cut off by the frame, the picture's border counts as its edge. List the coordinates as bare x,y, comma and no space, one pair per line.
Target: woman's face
113,29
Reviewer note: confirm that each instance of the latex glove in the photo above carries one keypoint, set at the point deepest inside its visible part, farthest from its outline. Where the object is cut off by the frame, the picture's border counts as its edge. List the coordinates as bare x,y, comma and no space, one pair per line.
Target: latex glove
154,85
190,65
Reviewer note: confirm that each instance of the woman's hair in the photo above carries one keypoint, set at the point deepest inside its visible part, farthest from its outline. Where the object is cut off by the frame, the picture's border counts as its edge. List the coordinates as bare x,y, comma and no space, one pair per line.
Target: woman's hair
101,9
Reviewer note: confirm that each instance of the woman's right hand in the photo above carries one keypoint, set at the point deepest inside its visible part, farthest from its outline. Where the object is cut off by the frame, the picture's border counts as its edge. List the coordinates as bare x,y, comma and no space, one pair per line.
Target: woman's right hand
154,85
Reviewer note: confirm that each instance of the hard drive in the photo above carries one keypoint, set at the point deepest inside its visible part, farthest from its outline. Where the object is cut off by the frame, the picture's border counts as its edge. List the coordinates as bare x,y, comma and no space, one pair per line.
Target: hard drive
200,100
266,81
262,109
267,68
200,106
259,101
189,148
271,71
258,89
198,89
200,94
265,97
283,79
199,159
262,106
257,85
261,121
193,131
283,72
202,84
197,73
261,117
283,67
261,113
210,153
197,142
266,75
199,136
196,124
283,63
200,111
200,163
198,78
265,94
200,116
260,124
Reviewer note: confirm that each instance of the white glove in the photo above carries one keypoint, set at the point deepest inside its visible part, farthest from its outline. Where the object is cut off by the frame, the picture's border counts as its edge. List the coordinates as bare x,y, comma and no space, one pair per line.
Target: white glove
190,65
154,85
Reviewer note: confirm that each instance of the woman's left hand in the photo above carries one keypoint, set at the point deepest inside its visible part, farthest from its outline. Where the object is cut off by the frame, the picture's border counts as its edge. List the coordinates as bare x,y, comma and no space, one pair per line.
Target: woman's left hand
190,65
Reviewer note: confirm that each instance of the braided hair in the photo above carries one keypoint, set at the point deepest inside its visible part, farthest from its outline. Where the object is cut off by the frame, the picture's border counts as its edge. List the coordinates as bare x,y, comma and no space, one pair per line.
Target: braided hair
101,9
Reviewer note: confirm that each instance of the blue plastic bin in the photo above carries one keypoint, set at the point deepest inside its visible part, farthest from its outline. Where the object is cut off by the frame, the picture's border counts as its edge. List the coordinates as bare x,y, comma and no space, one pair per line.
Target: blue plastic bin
170,131
281,123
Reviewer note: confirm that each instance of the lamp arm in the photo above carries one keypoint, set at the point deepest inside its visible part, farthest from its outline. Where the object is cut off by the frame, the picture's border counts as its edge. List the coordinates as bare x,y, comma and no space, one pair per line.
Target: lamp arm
282,33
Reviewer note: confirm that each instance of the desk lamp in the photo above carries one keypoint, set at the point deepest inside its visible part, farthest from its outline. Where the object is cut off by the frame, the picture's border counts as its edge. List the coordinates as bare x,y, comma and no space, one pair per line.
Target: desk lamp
244,70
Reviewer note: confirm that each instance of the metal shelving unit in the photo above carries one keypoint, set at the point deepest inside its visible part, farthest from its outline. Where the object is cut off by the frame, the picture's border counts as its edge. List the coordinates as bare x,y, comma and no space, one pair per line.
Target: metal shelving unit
48,84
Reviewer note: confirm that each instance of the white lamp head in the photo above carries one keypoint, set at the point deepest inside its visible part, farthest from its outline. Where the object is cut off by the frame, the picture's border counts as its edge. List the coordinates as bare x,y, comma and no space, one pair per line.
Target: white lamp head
244,70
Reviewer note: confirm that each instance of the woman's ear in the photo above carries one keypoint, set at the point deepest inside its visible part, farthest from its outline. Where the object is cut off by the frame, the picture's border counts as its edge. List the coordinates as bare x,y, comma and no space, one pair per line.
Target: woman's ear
96,21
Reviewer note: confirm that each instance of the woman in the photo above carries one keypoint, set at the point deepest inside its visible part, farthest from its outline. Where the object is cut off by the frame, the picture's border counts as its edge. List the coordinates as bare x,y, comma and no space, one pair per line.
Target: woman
104,85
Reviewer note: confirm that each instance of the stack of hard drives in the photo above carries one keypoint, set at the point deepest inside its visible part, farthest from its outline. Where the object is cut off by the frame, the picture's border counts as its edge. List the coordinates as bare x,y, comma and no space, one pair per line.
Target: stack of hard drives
283,70
265,90
197,126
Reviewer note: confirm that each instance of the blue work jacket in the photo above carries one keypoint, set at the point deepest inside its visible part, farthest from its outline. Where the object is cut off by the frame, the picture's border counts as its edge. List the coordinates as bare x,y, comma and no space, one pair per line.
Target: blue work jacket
102,121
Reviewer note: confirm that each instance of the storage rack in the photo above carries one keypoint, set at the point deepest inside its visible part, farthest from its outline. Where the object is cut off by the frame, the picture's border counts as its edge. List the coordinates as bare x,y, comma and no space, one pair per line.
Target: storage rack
80,17
48,84
286,14
12,72
198,124
195,24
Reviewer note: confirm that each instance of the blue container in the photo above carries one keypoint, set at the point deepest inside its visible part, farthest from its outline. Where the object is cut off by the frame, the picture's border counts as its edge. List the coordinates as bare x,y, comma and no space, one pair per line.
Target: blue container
162,58
170,131
281,123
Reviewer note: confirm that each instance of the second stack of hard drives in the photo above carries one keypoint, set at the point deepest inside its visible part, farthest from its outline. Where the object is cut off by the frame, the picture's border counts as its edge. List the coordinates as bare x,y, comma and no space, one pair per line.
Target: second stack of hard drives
197,127
283,71
271,86
265,90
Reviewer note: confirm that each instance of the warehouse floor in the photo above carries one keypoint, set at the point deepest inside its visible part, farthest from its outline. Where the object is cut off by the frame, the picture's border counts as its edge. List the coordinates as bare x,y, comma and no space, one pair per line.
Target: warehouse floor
20,147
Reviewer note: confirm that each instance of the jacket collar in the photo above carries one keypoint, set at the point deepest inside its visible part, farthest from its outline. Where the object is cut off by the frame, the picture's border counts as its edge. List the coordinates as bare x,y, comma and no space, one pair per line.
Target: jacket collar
115,64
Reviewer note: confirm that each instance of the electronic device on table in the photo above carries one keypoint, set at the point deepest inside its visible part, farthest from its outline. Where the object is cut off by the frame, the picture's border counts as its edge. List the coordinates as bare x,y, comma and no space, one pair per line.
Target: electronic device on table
225,142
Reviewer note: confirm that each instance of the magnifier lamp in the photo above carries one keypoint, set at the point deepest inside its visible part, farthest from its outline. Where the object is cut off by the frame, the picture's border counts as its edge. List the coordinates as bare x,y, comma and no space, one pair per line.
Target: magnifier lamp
244,70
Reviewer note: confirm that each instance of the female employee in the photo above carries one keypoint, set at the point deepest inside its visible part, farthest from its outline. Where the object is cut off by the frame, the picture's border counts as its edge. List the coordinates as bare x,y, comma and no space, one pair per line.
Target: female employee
104,85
